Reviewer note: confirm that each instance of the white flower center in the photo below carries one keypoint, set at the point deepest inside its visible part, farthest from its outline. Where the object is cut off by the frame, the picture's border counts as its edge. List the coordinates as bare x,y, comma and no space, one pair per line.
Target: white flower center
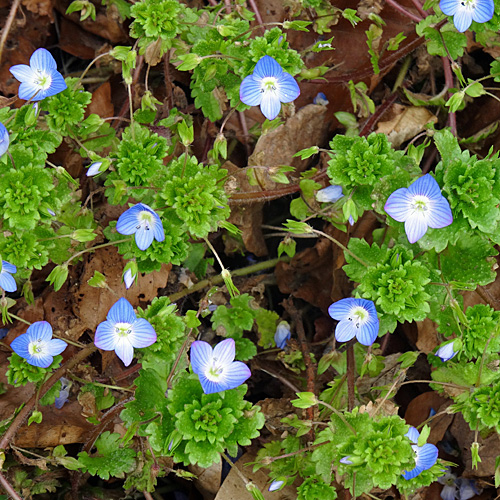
36,347
215,371
146,220
269,84
420,203
123,329
42,79
358,316
468,4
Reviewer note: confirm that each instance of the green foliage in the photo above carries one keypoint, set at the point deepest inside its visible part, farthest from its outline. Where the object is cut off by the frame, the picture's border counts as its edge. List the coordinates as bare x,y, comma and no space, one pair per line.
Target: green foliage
479,333
139,157
111,460
66,109
393,279
20,372
379,450
314,487
196,194
204,424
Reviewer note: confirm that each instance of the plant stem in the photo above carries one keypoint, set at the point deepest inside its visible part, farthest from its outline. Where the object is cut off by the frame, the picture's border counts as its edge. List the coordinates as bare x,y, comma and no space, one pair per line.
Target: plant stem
8,488
106,386
403,11
298,452
91,249
351,367
85,71
333,240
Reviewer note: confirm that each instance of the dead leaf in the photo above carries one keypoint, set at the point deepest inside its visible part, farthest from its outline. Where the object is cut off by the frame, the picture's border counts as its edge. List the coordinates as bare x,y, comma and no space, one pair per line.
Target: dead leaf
404,123
208,480
40,7
101,102
427,339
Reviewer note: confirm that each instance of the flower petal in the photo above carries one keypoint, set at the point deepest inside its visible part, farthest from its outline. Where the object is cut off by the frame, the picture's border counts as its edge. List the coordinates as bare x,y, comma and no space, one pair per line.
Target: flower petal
270,104
128,221
329,194
20,345
144,237
56,346
143,334
368,332
105,337
345,331
250,93
413,434
40,330
341,309
7,282
288,89
427,456
158,231
439,214
266,67
4,140
42,360
415,227
124,350
208,386
224,352
201,356
462,19
121,312
29,90
425,186
412,473
398,205
42,60
446,352
57,85
8,267
484,11
449,7
128,279
234,375
22,73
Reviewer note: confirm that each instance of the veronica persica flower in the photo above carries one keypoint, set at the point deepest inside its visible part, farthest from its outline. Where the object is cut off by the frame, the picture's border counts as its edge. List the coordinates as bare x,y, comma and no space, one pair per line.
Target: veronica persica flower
216,367
4,139
94,169
276,485
63,393
449,350
268,87
122,331
37,346
329,194
357,318
142,221
419,206
282,335
40,79
7,282
425,456
466,11
129,278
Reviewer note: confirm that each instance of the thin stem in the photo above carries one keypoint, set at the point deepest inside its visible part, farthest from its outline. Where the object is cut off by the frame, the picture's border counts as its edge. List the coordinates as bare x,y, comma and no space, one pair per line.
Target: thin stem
403,11
91,249
86,70
332,239
8,25
22,320
215,253
293,453
216,280
131,105
445,384
235,468
351,366
255,9
340,415
480,372
98,384
419,7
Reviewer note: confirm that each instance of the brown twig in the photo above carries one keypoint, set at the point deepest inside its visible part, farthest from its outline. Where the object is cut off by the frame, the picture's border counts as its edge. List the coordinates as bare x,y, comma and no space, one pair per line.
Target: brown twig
255,9
403,11
8,25
310,372
8,488
26,410
448,79
381,110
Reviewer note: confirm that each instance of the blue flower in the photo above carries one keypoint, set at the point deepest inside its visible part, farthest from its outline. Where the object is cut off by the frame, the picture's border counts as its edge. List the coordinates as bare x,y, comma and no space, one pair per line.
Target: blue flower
40,79
321,99
419,206
142,221
467,488
282,335
63,393
466,11
7,282
122,331
94,169
357,317
425,456
449,350
216,367
329,194
449,491
346,460
37,346
129,278
4,139
276,485
268,87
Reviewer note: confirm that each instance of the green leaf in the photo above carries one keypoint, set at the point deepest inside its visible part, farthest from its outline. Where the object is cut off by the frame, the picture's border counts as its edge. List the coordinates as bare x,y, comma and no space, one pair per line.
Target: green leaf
189,62
305,400
408,359
296,227
58,276
297,25
36,417
307,153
